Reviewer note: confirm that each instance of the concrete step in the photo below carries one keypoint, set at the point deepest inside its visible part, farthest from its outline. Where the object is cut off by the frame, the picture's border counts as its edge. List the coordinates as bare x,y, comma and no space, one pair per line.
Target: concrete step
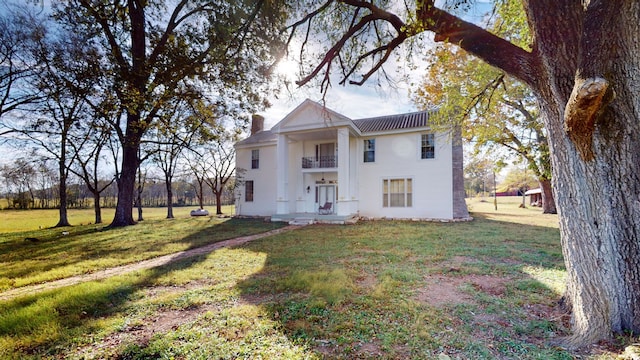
301,221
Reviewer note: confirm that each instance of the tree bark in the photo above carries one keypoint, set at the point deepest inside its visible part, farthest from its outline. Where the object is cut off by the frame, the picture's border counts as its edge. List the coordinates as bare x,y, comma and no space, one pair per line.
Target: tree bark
201,194
127,182
96,207
63,220
139,199
548,200
218,203
596,164
169,197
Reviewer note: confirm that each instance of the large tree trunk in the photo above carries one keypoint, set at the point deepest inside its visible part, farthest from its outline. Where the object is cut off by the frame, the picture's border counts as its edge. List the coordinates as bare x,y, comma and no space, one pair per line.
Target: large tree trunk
63,220
127,181
596,163
548,200
169,197
218,202
96,207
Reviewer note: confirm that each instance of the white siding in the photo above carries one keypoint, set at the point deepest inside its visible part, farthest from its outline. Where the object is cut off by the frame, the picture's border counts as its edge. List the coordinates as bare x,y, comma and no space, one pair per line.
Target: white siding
264,181
398,156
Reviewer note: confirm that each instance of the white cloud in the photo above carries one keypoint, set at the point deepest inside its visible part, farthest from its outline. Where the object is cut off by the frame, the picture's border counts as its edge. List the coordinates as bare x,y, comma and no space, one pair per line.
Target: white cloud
350,100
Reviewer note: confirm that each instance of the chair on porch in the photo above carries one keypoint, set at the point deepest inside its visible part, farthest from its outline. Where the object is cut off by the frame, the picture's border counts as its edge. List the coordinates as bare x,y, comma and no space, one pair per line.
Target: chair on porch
325,209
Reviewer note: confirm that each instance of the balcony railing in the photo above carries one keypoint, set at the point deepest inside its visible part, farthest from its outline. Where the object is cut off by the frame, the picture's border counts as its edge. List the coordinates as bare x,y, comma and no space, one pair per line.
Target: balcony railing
320,162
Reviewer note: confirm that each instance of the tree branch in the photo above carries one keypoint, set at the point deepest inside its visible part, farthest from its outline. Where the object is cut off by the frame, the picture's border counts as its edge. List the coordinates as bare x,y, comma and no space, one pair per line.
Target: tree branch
479,42
587,102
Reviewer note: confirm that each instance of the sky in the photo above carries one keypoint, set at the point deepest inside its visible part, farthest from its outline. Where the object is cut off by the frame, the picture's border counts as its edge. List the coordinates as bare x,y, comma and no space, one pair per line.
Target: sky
370,99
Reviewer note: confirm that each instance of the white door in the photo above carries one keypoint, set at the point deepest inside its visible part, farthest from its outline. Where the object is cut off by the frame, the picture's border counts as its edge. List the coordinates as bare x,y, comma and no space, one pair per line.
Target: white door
327,194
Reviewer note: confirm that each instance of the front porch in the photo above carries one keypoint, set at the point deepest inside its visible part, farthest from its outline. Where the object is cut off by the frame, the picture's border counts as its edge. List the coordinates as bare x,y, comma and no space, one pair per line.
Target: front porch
312,218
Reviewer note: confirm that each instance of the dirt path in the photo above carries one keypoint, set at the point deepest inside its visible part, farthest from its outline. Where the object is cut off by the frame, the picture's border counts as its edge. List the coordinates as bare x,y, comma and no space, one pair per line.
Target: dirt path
145,264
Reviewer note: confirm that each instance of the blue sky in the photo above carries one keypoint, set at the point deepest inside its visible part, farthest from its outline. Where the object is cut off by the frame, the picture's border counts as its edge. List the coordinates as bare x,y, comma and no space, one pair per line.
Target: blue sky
368,100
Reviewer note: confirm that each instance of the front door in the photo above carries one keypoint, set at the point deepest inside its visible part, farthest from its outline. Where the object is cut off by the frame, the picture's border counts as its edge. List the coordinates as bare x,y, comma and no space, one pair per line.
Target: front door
326,194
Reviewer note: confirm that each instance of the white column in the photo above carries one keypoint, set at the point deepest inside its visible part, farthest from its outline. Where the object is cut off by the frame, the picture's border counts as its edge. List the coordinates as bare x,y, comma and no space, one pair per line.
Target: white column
344,181
282,177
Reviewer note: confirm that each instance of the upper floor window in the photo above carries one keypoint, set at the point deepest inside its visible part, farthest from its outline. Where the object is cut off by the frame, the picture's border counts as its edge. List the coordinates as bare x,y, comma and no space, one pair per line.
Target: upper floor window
248,190
370,150
255,159
428,147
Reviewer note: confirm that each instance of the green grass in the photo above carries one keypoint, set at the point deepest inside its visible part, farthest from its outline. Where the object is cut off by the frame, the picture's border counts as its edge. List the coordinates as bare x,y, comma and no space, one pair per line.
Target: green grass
321,292
26,220
64,252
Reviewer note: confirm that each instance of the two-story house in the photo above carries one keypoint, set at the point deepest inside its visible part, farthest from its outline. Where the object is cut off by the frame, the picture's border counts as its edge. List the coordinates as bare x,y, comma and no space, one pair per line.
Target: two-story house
320,165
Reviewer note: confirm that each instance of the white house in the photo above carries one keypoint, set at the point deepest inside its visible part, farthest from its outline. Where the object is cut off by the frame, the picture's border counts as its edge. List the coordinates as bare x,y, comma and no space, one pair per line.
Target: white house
318,164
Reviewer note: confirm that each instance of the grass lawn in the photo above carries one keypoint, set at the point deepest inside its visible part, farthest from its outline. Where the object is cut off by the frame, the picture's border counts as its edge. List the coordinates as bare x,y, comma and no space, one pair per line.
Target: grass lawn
26,220
485,289
57,253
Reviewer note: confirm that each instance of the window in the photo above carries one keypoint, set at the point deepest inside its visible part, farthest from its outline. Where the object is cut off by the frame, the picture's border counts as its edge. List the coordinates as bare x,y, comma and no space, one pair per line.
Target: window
248,190
370,150
428,147
255,159
397,193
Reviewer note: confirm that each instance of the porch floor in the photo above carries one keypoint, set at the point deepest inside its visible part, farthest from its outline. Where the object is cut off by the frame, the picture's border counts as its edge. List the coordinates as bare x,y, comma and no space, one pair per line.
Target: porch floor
313,218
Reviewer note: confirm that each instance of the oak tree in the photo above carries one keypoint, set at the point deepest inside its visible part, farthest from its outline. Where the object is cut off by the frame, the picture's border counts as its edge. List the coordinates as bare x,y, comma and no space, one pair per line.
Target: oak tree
492,109
583,67
151,49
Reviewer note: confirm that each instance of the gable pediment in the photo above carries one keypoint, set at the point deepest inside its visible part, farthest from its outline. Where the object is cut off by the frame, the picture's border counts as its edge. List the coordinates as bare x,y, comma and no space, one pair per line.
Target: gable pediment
311,116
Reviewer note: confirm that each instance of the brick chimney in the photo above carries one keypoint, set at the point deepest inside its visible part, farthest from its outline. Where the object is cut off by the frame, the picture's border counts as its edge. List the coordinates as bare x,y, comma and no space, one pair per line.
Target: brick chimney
257,123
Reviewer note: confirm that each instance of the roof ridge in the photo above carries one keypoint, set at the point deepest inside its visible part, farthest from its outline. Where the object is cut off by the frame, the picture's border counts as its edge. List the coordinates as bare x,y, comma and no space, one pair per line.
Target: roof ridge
395,115
409,120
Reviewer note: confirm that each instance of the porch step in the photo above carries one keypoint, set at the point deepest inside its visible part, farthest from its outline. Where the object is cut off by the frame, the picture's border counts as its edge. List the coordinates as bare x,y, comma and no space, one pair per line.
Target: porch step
301,221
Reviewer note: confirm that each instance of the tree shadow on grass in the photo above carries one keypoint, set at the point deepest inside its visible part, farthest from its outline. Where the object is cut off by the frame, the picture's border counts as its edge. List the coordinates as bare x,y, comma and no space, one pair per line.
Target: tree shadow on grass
362,291
49,323
91,248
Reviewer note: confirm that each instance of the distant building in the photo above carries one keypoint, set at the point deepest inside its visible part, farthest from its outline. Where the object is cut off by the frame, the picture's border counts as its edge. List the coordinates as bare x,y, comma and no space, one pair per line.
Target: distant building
535,197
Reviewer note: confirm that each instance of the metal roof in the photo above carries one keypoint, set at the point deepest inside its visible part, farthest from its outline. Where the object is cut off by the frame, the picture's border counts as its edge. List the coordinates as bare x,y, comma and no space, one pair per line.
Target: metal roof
264,136
418,119
393,122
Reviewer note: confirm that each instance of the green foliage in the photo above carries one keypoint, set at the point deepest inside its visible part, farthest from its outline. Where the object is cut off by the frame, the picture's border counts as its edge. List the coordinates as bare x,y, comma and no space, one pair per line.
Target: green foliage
479,175
492,108
519,179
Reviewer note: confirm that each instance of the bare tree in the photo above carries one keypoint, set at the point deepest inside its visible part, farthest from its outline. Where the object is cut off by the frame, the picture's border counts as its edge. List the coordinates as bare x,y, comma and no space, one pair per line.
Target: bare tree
18,31
177,128
218,166
89,161
20,180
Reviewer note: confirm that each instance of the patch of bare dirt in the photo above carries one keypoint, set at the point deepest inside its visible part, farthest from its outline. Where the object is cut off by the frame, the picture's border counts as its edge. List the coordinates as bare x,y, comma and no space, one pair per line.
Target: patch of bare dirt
366,281
369,350
440,290
492,285
141,333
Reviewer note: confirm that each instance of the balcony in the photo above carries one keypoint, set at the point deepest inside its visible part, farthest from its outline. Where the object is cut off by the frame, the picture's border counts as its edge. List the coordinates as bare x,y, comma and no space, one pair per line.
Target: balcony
321,162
